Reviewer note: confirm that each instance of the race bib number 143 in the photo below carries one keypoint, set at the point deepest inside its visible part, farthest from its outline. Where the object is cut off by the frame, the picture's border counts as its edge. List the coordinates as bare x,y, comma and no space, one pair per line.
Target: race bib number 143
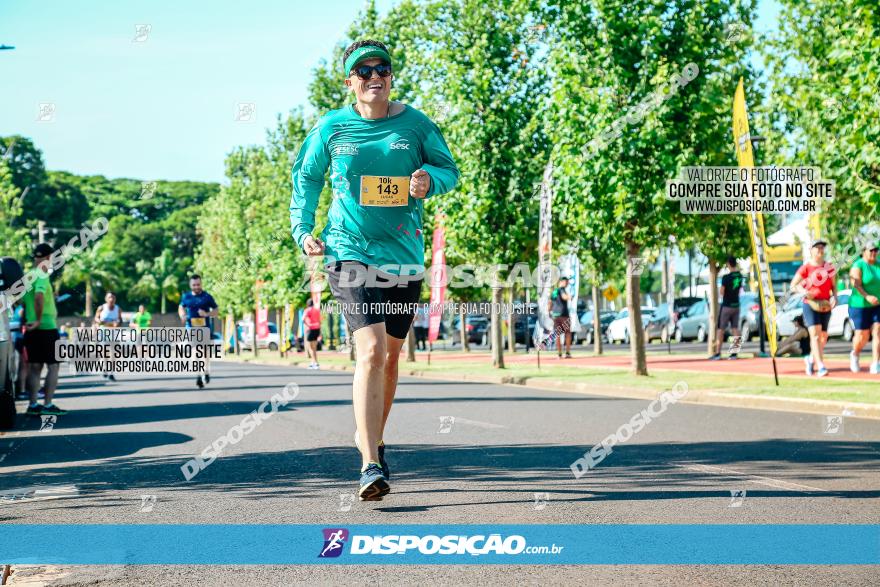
378,190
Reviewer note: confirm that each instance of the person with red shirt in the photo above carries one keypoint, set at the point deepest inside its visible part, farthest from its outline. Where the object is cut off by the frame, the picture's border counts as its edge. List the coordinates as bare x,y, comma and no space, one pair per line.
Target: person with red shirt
816,281
312,322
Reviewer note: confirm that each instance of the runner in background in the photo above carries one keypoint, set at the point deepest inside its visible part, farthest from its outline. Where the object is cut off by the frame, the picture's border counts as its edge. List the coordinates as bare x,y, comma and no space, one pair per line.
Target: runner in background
108,315
728,313
561,319
142,319
384,159
41,334
864,307
312,323
197,310
816,280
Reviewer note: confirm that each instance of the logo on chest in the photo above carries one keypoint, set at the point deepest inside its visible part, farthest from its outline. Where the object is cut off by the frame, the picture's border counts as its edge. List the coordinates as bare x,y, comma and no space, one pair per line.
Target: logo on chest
346,149
401,144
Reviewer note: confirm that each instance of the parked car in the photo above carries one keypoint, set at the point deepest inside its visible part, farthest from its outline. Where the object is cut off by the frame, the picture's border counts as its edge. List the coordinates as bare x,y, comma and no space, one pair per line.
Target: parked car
524,327
749,315
271,341
10,272
657,326
694,324
839,324
618,330
476,325
585,336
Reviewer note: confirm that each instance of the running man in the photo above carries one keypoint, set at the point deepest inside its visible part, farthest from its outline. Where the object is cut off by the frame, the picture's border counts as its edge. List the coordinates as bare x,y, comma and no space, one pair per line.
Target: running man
864,307
197,310
728,313
815,280
384,158
108,315
40,336
312,323
142,319
561,320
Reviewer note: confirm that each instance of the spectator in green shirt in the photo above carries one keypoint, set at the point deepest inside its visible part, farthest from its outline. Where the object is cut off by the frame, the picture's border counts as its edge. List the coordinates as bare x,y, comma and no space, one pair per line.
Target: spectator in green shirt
142,319
41,334
864,307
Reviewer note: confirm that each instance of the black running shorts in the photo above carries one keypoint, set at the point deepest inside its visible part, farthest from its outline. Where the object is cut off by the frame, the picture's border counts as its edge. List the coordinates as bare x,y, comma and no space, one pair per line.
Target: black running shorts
368,296
40,346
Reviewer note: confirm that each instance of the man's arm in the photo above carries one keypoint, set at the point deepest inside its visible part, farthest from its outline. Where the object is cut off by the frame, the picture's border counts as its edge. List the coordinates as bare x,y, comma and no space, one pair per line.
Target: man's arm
308,181
438,163
181,311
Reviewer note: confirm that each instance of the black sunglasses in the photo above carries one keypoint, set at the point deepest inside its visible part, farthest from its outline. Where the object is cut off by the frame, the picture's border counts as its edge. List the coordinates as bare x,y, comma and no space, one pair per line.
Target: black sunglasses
365,72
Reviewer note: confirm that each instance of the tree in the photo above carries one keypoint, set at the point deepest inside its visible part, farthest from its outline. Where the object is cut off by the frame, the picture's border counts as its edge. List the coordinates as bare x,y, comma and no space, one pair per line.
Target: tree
646,79
89,268
823,66
15,239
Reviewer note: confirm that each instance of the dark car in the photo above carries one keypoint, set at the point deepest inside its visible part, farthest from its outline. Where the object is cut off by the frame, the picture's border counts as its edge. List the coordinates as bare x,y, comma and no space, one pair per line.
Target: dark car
524,328
657,326
585,335
477,327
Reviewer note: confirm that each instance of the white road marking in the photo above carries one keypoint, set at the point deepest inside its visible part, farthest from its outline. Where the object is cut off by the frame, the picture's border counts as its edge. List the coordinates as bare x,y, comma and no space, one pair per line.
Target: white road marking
776,483
477,423
38,493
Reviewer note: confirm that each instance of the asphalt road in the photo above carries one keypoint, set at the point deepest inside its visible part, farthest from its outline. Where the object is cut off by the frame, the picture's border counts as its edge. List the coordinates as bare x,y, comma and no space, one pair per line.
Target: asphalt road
126,440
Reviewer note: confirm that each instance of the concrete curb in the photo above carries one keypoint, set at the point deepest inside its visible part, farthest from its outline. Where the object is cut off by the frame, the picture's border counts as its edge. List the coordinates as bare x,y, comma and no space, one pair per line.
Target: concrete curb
694,396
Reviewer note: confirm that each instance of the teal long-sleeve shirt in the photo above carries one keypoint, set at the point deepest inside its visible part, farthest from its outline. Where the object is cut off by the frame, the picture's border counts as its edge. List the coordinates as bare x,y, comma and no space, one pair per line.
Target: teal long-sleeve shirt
351,147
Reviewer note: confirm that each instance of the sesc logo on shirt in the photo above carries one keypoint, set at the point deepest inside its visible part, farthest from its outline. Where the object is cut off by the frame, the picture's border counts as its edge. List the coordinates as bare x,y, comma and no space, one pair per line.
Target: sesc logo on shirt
400,145
346,149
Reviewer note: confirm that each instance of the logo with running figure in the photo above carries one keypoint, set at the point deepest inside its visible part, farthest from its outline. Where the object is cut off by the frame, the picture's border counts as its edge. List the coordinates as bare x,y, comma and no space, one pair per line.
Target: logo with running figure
334,541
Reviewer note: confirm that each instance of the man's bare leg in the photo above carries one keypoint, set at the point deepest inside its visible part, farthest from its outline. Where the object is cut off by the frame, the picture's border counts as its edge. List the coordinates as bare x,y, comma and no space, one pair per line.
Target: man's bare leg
32,382
875,343
368,389
392,360
51,382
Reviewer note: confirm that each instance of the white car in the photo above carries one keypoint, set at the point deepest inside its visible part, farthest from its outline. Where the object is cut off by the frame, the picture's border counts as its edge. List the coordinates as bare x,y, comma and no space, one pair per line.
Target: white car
618,330
839,324
271,341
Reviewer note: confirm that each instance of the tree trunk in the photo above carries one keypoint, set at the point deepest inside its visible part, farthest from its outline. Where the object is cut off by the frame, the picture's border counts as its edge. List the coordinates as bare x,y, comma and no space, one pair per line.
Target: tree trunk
254,335
88,300
597,326
235,335
713,306
511,326
162,299
633,302
465,345
497,338
278,327
411,346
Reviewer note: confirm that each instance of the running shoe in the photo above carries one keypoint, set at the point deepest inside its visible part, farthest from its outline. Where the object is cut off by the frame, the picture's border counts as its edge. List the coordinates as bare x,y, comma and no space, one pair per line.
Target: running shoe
732,357
853,362
875,369
374,485
808,364
822,372
567,355
42,392
35,410
715,357
200,382
207,378
53,410
383,463
111,377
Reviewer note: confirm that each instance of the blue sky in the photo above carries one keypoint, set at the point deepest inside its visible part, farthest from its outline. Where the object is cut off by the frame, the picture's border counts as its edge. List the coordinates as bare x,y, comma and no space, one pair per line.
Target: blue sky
163,108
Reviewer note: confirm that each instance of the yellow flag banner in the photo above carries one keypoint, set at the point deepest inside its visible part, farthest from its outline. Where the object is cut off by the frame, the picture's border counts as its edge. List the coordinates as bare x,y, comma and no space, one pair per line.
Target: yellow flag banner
745,157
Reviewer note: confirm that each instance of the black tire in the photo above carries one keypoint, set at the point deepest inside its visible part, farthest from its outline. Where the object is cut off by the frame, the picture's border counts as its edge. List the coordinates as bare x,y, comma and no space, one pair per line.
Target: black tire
848,330
626,336
701,334
678,336
664,334
273,346
745,331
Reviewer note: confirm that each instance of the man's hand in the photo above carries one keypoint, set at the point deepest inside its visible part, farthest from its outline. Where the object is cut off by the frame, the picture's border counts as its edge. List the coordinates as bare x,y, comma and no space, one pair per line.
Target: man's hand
313,246
203,313
32,325
872,300
419,183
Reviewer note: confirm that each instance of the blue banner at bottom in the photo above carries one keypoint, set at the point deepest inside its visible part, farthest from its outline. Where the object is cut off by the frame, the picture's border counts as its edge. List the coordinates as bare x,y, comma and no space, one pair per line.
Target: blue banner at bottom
623,544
